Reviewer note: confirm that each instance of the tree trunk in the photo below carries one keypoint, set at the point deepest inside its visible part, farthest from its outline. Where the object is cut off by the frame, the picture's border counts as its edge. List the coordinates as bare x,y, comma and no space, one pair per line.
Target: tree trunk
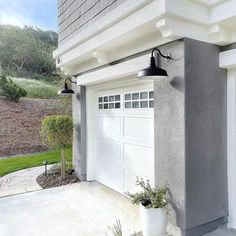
63,164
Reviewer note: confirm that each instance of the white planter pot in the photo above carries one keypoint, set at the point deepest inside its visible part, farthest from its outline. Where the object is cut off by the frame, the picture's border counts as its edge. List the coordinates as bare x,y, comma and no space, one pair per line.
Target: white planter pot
153,221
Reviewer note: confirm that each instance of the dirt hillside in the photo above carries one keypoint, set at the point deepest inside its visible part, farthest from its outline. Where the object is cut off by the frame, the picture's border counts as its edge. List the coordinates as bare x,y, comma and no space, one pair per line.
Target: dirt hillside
20,123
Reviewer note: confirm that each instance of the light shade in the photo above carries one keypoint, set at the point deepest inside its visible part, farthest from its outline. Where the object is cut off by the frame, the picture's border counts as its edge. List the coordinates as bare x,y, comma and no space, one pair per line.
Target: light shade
65,91
152,72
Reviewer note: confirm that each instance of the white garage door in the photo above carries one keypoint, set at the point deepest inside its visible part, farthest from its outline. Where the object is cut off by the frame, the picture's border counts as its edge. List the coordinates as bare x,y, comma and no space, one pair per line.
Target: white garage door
124,137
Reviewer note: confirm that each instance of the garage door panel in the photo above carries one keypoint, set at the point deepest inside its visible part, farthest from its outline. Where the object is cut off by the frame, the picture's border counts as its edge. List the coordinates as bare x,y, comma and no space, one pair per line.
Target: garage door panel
109,148
110,174
139,157
138,127
109,125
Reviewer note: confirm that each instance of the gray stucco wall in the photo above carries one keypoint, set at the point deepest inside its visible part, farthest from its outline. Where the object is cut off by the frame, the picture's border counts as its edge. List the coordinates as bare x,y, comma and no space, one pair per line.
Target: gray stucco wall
190,136
206,137
170,128
76,15
79,134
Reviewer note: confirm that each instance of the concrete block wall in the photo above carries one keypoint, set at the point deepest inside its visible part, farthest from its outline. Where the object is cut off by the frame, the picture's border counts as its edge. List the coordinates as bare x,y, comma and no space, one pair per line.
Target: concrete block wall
76,15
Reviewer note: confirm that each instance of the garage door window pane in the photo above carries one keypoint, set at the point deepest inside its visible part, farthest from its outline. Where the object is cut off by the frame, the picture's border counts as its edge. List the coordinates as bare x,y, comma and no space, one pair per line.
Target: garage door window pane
151,104
117,98
100,99
151,94
127,97
144,95
144,104
105,99
117,105
135,96
111,98
128,105
111,105
135,104
106,106
100,106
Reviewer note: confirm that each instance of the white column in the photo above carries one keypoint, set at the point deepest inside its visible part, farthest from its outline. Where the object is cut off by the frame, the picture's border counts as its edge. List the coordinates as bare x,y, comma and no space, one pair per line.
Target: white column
231,145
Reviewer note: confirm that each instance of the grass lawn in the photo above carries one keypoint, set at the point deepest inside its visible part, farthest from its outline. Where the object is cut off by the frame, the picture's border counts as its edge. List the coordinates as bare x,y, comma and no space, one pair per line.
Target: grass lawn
12,164
36,88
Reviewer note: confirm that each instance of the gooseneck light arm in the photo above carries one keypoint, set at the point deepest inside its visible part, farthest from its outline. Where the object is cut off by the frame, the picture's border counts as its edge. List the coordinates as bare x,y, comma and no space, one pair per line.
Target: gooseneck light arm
70,80
168,56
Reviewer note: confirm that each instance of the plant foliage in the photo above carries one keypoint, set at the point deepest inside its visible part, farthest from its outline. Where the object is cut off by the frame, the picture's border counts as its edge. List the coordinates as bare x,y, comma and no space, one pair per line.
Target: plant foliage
150,197
116,229
10,89
56,131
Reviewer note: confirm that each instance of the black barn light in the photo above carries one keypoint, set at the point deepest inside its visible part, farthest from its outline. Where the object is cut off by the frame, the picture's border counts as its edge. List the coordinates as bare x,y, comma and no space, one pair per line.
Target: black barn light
153,71
66,90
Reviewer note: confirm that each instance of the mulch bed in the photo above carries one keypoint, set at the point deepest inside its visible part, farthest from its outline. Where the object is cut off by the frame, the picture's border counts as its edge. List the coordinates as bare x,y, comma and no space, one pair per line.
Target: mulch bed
55,180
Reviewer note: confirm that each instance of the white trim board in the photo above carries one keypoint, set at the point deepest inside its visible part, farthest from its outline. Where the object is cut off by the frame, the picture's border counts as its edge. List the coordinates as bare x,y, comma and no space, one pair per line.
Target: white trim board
121,70
231,145
228,59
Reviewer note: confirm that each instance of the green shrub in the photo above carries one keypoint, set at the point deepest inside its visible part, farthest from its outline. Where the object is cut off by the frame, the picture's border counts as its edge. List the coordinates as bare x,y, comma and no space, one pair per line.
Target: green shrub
56,133
10,89
150,197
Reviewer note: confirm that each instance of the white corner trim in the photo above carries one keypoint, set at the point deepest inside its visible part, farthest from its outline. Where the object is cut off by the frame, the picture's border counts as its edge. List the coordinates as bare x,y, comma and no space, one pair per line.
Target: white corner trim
219,34
90,137
228,59
231,145
172,28
124,69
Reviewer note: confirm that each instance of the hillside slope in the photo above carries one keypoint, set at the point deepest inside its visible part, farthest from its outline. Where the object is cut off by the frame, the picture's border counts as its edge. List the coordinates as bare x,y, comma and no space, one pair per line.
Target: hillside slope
20,124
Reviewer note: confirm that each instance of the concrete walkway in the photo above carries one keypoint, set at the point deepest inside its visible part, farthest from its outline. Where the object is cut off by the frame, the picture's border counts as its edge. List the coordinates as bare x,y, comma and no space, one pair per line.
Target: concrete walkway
21,181
81,209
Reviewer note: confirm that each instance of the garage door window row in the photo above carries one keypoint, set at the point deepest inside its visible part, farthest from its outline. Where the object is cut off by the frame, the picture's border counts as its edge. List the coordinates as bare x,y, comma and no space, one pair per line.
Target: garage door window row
136,100
132,100
109,102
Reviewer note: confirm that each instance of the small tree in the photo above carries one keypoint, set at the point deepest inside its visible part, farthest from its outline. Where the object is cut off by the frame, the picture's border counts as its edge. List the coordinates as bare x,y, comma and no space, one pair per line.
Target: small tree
10,89
56,133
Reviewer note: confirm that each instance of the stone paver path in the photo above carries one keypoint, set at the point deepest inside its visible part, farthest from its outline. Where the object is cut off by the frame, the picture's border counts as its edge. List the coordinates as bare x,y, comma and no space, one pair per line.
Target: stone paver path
21,181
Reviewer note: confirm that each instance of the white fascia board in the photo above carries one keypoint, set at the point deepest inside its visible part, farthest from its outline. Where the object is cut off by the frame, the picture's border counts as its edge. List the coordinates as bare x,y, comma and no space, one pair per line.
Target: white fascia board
122,11
228,59
209,3
223,11
121,70
191,11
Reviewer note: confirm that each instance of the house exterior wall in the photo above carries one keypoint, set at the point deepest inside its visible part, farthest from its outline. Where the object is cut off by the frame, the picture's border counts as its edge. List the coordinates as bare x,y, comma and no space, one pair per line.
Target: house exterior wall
190,136
76,15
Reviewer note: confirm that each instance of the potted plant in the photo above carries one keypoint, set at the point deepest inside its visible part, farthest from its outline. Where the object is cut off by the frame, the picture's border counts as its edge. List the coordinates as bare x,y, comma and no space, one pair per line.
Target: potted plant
153,208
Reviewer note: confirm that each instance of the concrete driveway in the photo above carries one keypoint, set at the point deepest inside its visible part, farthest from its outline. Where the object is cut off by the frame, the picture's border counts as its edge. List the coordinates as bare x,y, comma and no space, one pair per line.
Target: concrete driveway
79,209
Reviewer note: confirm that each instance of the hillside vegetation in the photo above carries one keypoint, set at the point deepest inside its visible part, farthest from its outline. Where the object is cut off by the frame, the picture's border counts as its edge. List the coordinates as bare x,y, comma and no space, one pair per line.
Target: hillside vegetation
37,89
27,52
